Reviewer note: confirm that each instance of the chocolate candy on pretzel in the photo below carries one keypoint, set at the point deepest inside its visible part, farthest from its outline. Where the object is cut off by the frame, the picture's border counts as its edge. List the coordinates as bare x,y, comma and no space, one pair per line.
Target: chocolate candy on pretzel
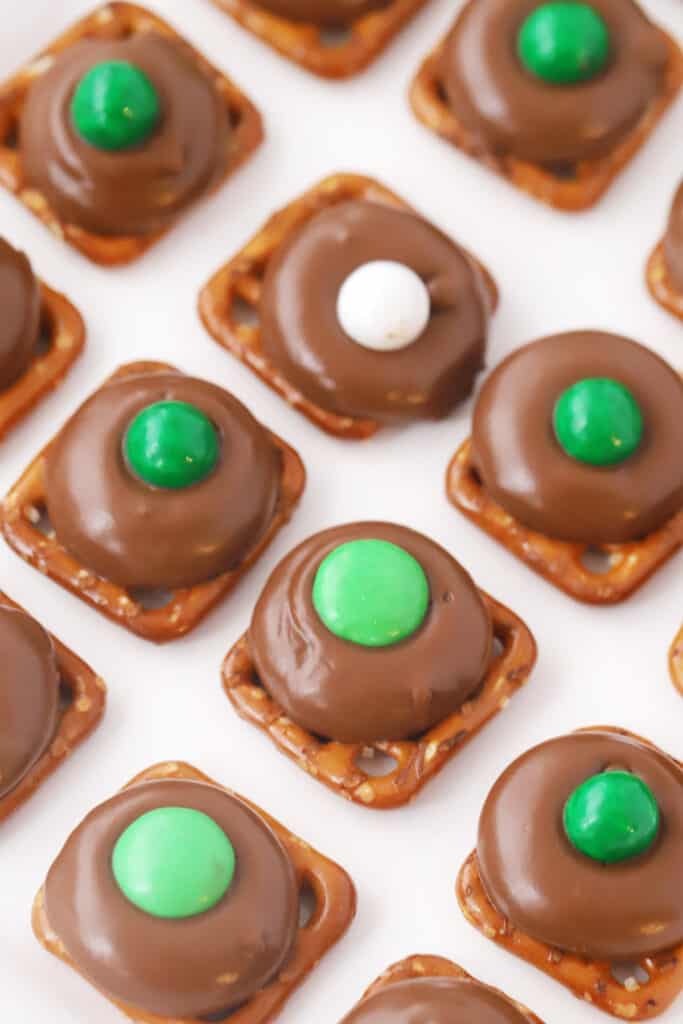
370,639
555,96
577,865
575,452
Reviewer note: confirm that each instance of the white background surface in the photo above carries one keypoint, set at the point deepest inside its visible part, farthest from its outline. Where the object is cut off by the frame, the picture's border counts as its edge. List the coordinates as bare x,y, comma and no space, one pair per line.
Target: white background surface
596,665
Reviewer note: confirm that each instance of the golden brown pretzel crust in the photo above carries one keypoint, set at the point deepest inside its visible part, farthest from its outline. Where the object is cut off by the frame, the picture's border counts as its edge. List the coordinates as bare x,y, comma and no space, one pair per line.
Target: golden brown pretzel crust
64,331
417,761
83,708
306,44
676,661
592,177
660,284
590,980
112,21
561,562
424,966
21,512
240,280
335,907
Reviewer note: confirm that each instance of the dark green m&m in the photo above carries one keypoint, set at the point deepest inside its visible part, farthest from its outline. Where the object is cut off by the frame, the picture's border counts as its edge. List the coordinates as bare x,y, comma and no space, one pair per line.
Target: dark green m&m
115,106
564,42
173,862
171,445
612,817
371,592
598,421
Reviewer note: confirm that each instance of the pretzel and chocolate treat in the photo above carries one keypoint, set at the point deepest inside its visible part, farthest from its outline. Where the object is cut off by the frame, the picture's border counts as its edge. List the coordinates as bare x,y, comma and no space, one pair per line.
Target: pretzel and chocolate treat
367,313
41,335
159,482
49,702
555,96
432,990
676,661
371,638
575,449
577,868
665,267
330,38
180,902
121,126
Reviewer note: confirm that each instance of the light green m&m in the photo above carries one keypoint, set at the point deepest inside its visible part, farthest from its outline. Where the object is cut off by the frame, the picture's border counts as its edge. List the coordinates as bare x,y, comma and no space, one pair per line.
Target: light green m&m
171,444
371,592
564,42
598,421
612,817
115,106
173,862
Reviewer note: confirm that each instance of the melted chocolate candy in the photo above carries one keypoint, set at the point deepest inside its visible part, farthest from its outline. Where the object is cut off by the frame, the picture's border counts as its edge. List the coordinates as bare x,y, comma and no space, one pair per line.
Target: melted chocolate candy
131,191
436,1001
29,695
140,536
194,967
523,467
20,305
509,111
673,241
555,894
330,13
302,336
356,694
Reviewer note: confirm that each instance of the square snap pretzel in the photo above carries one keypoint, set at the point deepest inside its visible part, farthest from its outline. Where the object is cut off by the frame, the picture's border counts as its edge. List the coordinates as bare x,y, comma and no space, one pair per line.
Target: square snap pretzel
335,906
239,282
24,507
81,708
324,52
62,338
660,284
424,966
591,178
589,980
337,766
112,21
562,563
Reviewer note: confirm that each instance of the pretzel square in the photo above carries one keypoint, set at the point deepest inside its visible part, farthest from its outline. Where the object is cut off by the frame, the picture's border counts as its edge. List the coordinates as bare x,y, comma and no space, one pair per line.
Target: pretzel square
112,21
330,886
590,980
418,760
565,565
660,284
23,512
61,342
423,966
676,661
327,52
589,179
83,698
238,284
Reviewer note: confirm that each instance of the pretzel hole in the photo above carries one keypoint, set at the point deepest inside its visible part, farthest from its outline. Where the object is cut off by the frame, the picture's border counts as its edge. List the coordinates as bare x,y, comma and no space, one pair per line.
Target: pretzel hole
244,312
66,697
10,138
562,171
334,37
308,904
234,117
597,560
498,648
39,519
630,976
375,763
151,598
45,334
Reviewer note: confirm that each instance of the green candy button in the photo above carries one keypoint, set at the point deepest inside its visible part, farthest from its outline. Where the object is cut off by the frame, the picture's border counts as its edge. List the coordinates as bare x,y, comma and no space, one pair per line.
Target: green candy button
564,43
598,421
612,817
173,862
115,105
371,592
171,445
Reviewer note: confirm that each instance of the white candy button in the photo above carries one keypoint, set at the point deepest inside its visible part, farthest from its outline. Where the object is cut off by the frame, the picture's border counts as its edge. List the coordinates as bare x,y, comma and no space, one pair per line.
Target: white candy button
383,305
